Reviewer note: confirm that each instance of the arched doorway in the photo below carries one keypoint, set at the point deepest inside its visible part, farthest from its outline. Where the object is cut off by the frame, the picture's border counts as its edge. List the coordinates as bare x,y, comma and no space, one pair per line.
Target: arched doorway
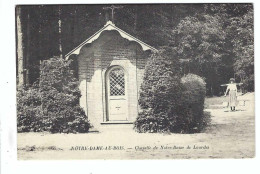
116,94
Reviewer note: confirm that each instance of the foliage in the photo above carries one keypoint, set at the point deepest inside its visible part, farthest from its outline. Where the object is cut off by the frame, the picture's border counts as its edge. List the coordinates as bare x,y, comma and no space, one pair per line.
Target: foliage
29,113
55,103
170,104
216,38
149,23
60,99
200,42
159,95
192,116
217,44
242,31
150,121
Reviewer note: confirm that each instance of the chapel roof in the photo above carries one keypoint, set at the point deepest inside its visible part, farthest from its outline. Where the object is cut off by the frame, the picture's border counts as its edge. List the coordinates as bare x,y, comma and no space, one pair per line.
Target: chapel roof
110,26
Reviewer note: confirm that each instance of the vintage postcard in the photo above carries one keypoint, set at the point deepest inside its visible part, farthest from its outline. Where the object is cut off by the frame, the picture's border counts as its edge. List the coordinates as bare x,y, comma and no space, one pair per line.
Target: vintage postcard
135,81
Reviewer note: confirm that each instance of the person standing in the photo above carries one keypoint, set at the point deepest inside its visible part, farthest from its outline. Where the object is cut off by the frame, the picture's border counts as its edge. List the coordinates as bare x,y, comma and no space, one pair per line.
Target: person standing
232,90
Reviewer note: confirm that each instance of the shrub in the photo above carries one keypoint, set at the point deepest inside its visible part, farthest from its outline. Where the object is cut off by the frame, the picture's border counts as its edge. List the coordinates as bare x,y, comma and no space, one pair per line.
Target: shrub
147,121
169,103
29,113
56,101
61,95
159,95
191,115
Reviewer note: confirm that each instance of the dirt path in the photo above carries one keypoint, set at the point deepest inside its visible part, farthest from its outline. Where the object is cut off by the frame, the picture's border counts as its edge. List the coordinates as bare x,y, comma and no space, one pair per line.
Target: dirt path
230,135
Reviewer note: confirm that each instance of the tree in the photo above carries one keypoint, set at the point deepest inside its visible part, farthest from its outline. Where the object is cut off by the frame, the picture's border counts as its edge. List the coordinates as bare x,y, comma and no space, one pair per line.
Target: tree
241,29
20,55
200,40
59,24
238,25
192,29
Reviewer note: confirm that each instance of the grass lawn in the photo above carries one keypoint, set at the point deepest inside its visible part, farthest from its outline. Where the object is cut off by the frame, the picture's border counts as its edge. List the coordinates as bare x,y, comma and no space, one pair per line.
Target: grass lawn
230,135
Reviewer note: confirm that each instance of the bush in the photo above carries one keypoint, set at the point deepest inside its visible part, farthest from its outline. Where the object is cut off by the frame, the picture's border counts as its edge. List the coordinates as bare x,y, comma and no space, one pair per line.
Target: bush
29,113
147,121
169,103
191,115
55,103
159,95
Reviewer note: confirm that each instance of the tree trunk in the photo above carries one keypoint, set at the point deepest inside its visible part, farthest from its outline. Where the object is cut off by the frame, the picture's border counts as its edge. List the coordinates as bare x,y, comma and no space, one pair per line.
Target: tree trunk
20,55
28,43
59,23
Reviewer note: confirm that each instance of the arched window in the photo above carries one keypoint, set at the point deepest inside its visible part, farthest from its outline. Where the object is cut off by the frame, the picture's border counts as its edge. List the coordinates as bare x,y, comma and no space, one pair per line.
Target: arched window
116,81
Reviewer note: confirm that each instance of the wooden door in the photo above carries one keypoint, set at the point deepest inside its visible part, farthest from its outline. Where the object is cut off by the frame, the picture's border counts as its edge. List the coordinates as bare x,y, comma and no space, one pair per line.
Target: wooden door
116,94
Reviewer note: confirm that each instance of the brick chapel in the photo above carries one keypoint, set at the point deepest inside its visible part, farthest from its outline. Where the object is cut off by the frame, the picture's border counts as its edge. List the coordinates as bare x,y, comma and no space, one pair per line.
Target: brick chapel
110,68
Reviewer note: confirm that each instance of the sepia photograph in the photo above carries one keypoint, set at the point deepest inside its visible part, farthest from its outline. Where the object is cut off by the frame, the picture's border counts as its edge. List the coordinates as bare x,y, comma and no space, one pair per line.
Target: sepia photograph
135,81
